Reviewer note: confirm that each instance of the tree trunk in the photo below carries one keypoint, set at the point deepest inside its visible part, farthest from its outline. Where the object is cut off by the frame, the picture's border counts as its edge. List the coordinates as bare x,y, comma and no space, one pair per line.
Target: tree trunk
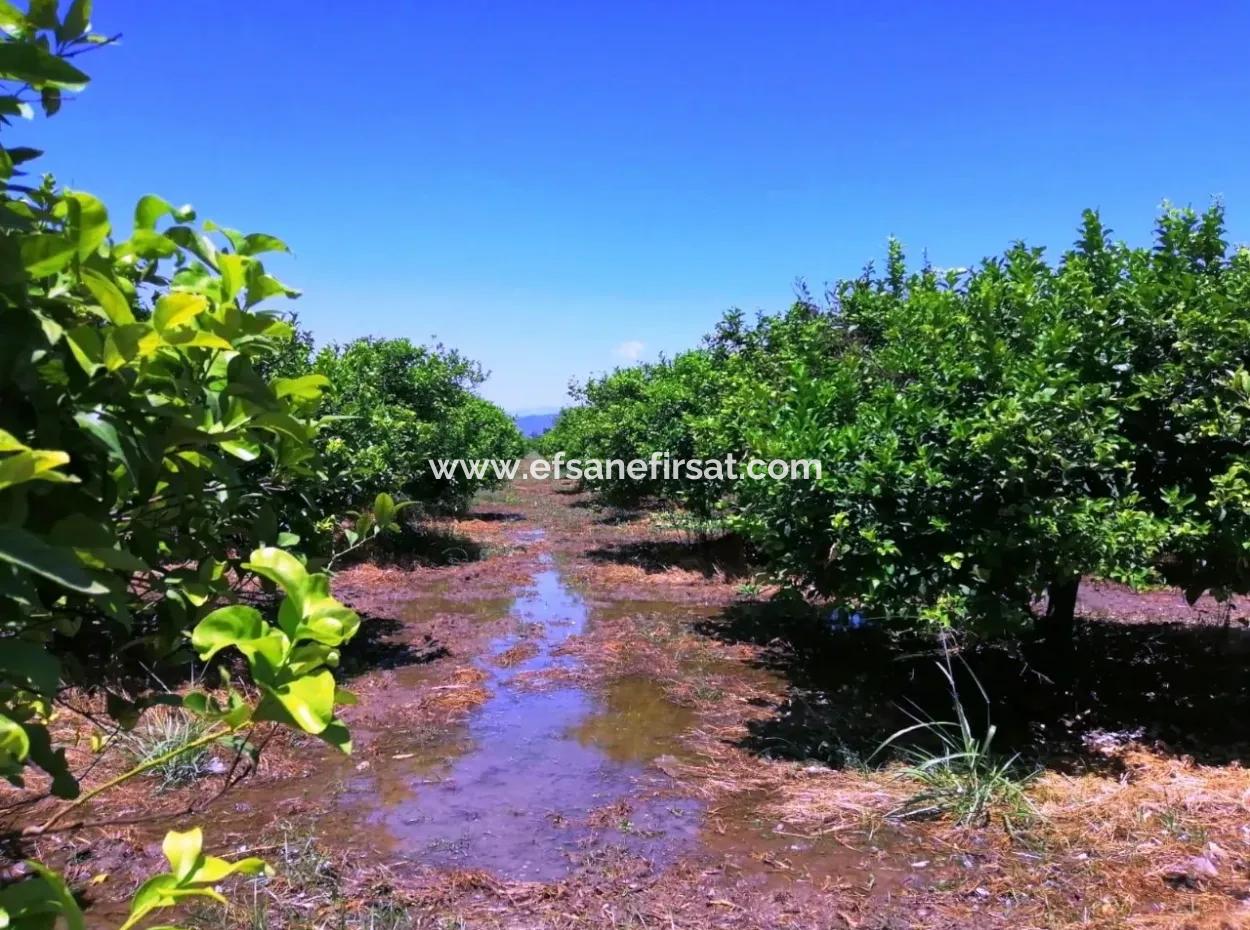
1058,624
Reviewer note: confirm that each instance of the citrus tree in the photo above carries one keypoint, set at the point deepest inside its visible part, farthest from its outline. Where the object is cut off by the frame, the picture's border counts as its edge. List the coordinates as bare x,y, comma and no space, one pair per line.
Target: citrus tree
990,436
148,471
393,406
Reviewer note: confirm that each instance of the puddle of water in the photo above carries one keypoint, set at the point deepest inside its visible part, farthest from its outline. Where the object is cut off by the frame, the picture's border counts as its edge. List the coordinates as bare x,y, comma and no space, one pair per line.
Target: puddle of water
539,775
636,722
440,601
537,778
774,856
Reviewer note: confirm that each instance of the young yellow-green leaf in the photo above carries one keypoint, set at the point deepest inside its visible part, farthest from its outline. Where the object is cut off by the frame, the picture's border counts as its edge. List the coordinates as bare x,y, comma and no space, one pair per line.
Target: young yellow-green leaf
91,219
156,892
305,387
33,465
227,626
14,743
233,270
10,443
177,309
111,300
214,870
195,339
183,852
309,701
123,344
12,20
278,566
149,209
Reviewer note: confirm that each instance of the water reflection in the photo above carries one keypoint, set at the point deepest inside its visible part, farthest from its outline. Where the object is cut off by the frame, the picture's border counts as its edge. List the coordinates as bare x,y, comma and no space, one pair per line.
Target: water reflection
536,765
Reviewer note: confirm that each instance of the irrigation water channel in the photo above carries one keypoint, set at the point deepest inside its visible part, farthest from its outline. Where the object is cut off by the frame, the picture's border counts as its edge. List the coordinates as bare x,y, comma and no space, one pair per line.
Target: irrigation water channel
531,785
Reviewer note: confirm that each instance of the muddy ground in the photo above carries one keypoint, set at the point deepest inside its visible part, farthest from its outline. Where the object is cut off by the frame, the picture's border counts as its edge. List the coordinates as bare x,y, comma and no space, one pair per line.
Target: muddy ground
576,717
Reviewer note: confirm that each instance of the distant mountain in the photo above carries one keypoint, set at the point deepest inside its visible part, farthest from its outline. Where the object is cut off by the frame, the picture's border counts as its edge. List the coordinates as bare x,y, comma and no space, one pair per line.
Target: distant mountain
535,424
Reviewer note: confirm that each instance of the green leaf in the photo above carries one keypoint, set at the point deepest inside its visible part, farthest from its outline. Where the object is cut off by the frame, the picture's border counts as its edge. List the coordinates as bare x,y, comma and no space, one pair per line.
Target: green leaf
147,243
10,443
29,666
337,735
77,21
33,465
261,286
124,344
42,13
50,100
308,702
233,270
225,627
34,65
177,309
305,387
112,301
91,221
195,339
183,851
45,254
36,903
14,743
149,209
12,20
259,243
87,347
29,552
280,567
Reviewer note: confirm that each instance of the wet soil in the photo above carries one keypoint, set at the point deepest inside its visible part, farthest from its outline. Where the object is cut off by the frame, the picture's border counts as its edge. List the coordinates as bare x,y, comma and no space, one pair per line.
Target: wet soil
571,717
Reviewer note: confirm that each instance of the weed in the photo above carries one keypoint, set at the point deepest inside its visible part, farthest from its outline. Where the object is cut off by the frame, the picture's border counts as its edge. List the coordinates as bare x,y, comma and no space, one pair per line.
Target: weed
692,526
962,776
161,732
1176,823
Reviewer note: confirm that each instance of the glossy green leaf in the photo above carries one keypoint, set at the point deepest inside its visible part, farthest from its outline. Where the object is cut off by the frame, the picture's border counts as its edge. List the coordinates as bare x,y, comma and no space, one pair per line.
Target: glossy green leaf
177,309
225,627
278,566
307,701
29,552
112,301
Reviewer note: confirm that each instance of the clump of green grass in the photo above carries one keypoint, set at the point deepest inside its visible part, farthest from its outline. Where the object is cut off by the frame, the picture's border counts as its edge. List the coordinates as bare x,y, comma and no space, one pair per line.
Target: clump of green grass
161,732
693,526
959,773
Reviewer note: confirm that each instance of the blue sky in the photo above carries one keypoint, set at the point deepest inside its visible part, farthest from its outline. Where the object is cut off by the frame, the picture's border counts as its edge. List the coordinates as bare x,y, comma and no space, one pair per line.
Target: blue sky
555,187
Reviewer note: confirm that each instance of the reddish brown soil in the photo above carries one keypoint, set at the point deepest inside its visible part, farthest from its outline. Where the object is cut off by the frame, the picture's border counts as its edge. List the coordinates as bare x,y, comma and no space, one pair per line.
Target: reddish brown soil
1135,827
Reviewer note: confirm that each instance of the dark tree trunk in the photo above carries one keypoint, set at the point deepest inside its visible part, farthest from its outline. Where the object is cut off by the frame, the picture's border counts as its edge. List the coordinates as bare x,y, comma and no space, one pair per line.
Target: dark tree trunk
1058,624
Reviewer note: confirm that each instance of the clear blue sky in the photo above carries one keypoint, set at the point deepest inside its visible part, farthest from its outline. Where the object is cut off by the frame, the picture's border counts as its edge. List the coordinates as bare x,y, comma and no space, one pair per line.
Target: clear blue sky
551,186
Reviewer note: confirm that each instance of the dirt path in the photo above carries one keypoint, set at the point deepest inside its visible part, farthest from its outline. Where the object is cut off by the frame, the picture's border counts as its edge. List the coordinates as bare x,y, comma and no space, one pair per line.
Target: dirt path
572,717
551,768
